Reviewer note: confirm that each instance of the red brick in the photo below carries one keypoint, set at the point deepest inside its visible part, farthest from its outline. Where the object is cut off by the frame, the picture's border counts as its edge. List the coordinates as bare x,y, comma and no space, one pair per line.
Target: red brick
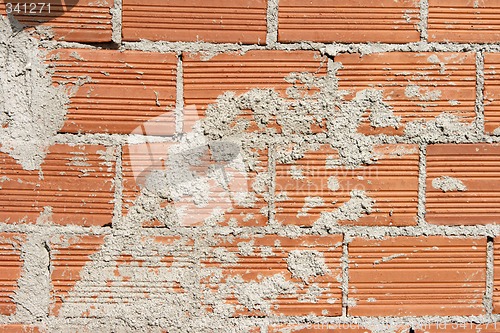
392,181
75,183
68,258
257,266
449,77
496,276
19,328
125,90
240,21
10,267
205,80
458,328
333,328
82,278
142,159
476,166
354,21
467,21
491,93
68,20
417,276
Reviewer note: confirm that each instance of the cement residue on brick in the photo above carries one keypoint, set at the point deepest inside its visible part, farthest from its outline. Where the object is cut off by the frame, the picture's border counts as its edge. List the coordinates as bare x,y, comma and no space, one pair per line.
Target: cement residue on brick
32,110
448,184
304,264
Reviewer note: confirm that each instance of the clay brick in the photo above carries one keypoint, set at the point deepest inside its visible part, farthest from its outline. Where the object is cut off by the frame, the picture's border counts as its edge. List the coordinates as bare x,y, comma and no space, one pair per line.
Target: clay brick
354,21
68,20
238,21
467,21
458,328
19,328
90,273
223,190
256,259
419,86
122,90
496,276
491,93
74,186
392,181
205,80
10,267
333,328
472,195
417,276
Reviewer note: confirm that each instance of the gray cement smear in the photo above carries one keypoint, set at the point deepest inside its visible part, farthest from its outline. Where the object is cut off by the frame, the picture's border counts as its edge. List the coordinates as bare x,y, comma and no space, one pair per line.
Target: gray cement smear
448,184
32,110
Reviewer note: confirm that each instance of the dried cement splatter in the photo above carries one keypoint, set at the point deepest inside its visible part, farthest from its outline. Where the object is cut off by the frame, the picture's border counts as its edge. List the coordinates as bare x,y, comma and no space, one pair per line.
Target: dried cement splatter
448,184
306,264
32,110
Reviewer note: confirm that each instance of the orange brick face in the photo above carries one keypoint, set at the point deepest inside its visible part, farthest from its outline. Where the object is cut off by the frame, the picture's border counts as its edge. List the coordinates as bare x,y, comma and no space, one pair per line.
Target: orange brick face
270,258
314,185
75,186
240,73
491,93
121,90
464,21
419,86
462,184
241,21
356,21
415,276
11,267
226,192
68,20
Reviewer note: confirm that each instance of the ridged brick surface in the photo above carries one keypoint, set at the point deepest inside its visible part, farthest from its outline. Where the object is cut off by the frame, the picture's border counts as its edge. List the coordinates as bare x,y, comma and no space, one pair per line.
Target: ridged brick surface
68,20
240,73
270,257
417,276
473,169
120,91
239,21
75,187
464,21
419,86
11,268
140,161
354,21
491,92
392,181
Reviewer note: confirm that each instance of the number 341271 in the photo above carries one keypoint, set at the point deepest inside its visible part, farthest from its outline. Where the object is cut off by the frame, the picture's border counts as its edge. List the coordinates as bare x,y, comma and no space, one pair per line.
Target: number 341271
27,8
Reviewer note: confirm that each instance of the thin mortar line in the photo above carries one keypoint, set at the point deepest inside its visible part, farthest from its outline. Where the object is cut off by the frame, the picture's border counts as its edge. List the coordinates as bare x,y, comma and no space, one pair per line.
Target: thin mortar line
424,22
116,22
118,197
271,162
488,297
479,105
344,264
422,178
179,99
272,23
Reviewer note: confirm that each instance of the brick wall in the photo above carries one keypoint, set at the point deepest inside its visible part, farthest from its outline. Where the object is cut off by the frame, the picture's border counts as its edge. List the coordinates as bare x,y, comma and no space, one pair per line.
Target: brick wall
250,166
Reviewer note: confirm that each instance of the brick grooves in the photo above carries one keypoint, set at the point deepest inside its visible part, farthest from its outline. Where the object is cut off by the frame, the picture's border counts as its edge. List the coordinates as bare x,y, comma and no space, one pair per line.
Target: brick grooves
409,265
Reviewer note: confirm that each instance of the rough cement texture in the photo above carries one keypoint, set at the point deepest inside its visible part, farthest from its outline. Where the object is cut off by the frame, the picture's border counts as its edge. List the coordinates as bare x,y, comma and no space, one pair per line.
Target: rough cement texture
32,110
187,311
